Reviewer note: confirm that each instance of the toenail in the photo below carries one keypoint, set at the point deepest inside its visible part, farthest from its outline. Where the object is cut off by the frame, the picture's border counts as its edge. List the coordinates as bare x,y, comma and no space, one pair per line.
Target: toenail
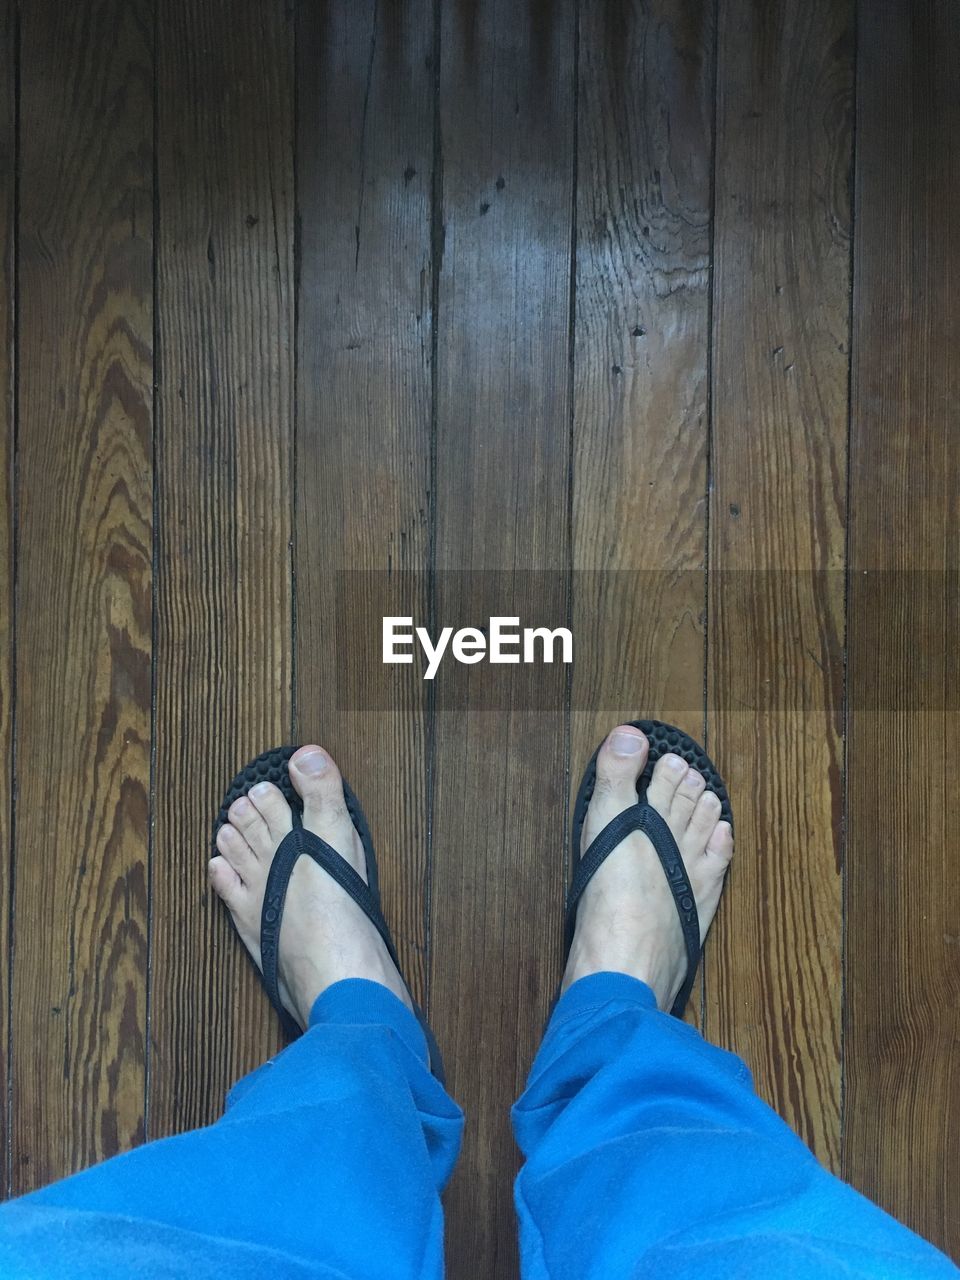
626,744
313,762
674,763
261,790
692,776
241,807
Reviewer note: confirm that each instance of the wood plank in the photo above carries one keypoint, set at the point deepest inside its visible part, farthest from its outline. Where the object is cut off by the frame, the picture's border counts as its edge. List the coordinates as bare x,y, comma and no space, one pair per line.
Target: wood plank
225,435
902,1132
8,157
644,119
365,172
777,527
507,130
84,585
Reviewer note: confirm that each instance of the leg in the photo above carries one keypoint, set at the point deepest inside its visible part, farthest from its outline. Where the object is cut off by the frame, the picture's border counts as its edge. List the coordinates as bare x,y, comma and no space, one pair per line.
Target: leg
329,1159
647,1151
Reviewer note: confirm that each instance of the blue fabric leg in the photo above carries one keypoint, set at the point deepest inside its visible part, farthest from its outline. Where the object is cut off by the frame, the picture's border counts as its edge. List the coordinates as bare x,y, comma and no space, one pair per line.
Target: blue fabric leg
647,1153
330,1157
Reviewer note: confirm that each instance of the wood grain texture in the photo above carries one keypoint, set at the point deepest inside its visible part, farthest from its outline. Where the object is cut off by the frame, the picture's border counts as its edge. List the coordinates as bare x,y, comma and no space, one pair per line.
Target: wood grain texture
225,439
8,159
84,586
365,175
507,131
777,528
902,1132
644,163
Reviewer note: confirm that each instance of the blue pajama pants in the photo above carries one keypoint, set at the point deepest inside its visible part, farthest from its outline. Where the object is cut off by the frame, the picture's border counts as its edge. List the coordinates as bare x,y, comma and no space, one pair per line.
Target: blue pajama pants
647,1153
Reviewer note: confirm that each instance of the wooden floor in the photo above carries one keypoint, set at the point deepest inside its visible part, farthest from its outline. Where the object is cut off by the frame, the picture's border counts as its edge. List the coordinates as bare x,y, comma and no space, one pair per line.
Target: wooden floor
659,300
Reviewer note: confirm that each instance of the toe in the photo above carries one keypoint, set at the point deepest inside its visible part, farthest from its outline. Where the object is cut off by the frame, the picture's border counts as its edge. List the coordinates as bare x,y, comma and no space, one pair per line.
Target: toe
272,806
234,849
620,762
246,817
720,844
703,820
667,773
224,880
318,780
685,799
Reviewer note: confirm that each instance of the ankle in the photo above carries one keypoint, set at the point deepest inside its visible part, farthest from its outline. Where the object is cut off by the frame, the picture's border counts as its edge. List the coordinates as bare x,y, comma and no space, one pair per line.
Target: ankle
650,966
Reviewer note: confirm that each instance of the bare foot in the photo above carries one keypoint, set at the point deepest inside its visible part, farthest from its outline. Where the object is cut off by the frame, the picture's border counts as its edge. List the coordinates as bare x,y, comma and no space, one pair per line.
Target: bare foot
627,920
324,936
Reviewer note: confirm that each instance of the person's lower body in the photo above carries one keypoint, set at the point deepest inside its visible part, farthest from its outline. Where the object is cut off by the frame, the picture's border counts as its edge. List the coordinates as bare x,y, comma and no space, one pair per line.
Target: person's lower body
647,1153
646,1150
328,1161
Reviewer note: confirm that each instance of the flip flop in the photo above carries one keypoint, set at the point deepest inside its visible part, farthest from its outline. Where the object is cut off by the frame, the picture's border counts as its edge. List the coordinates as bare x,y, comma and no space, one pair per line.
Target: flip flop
271,766
663,739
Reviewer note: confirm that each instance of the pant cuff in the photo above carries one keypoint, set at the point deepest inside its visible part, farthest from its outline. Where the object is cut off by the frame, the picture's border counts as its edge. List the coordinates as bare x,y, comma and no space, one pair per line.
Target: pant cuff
598,989
360,1002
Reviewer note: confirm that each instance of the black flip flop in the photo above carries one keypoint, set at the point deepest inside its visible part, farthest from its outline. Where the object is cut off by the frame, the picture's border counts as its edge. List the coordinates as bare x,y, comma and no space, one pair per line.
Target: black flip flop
271,766
663,739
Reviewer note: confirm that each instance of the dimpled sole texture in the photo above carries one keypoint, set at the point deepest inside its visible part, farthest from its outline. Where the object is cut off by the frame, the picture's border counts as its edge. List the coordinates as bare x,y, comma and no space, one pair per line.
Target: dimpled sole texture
269,766
663,739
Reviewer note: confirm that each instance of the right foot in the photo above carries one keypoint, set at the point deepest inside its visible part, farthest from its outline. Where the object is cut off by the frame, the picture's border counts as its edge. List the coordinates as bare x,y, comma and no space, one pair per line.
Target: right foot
324,935
627,919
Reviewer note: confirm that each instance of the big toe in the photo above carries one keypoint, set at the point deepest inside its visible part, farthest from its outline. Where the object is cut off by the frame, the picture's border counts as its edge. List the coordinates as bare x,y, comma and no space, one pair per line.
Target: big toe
620,762
318,781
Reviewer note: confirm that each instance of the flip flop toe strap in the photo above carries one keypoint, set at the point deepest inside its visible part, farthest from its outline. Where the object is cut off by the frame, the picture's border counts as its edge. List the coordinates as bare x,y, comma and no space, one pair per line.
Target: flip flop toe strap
642,817
295,844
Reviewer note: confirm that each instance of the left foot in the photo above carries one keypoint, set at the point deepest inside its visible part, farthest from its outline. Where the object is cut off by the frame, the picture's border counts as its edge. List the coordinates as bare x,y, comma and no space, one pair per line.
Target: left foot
324,935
